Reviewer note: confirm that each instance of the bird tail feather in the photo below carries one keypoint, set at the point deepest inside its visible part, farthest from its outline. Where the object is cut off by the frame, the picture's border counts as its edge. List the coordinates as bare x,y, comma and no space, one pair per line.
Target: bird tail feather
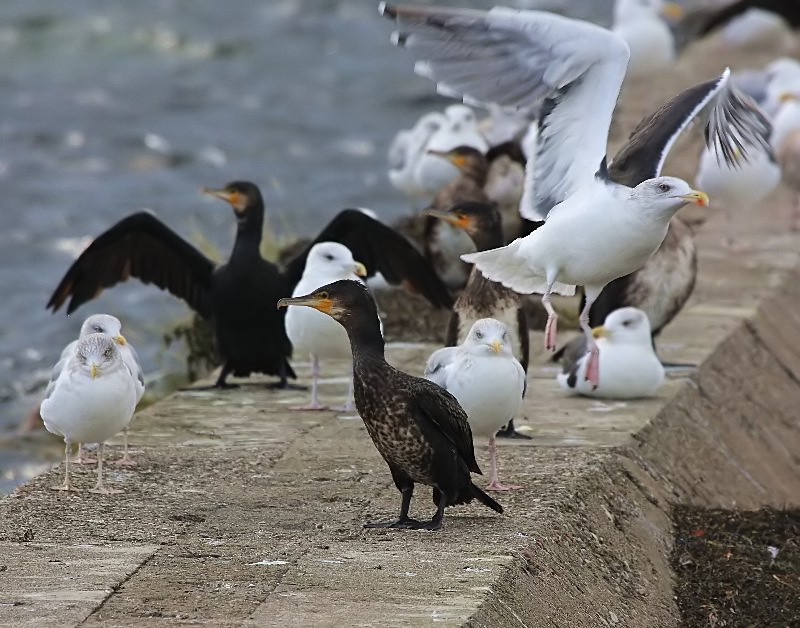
483,498
506,266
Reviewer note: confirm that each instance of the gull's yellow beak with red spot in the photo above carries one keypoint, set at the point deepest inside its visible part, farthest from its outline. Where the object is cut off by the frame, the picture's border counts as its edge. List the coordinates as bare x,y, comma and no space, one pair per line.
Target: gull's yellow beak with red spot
697,197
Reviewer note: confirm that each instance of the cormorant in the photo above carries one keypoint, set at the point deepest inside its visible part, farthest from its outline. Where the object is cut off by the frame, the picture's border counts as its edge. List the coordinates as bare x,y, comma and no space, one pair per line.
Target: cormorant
419,428
238,296
443,244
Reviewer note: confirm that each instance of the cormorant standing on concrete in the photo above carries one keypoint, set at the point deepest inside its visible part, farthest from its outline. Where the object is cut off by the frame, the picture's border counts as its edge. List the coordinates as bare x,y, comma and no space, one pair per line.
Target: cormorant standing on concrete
419,428
238,296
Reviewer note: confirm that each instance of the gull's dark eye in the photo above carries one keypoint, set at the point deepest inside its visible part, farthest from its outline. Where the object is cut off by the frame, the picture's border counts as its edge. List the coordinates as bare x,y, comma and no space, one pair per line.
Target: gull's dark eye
329,257
478,334
98,329
663,187
627,323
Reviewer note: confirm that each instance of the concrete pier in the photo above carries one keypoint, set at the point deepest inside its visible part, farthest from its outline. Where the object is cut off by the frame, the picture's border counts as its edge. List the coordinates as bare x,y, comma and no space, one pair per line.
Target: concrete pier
244,513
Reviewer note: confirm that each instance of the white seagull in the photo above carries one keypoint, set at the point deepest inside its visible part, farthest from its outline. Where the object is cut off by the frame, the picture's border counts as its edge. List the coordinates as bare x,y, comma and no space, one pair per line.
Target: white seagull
92,399
643,26
314,333
485,378
629,367
596,230
111,327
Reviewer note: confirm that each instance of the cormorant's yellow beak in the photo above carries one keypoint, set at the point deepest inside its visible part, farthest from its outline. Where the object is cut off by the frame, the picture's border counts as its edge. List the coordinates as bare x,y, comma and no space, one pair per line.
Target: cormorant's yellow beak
696,197
120,340
323,304
455,219
494,345
234,199
599,332
360,270
93,370
457,160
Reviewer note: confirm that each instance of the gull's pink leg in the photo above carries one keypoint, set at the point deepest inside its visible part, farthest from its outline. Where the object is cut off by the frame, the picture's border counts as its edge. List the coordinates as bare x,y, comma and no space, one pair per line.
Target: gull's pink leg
83,457
348,406
67,485
100,487
126,460
552,322
592,362
494,481
593,365
314,405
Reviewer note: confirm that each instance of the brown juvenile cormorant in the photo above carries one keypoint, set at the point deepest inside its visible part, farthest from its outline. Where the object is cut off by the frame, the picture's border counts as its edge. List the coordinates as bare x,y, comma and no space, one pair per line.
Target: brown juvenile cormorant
238,296
419,428
444,245
482,298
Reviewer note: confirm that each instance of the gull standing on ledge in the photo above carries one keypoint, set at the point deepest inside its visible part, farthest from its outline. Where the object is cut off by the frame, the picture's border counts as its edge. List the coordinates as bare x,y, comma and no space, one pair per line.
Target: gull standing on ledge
92,399
111,327
486,378
596,230
317,334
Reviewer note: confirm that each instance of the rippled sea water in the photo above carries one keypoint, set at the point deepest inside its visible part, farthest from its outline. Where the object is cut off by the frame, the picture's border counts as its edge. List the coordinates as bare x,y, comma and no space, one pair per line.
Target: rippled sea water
107,107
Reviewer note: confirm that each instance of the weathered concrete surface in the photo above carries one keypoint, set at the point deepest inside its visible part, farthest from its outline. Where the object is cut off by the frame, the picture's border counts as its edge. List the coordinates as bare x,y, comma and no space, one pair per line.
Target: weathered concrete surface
243,513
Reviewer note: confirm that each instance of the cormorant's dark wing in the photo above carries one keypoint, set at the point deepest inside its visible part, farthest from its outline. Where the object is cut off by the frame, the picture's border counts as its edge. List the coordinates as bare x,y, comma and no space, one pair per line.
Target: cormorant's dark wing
732,122
382,250
705,20
440,410
140,246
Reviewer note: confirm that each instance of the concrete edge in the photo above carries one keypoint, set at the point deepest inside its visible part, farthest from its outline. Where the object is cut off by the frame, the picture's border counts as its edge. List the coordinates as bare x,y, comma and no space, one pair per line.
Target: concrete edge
745,393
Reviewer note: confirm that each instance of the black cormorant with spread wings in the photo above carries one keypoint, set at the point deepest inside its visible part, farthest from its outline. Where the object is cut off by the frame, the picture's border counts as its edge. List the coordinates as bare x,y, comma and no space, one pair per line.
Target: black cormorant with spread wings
238,296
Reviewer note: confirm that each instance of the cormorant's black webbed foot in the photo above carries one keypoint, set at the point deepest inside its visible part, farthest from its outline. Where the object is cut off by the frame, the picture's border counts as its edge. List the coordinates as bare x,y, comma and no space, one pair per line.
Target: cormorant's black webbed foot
407,524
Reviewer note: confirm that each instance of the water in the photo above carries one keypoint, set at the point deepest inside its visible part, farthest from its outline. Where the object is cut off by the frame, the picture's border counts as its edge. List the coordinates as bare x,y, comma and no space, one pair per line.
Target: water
108,107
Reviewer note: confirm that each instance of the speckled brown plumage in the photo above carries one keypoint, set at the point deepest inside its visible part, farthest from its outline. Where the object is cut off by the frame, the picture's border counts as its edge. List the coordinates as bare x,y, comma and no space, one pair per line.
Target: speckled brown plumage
419,429
444,244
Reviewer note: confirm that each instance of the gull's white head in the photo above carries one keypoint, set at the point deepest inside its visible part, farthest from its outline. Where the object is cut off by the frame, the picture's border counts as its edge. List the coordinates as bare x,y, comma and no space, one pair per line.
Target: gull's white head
667,195
627,325
460,115
103,324
488,336
97,354
331,261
